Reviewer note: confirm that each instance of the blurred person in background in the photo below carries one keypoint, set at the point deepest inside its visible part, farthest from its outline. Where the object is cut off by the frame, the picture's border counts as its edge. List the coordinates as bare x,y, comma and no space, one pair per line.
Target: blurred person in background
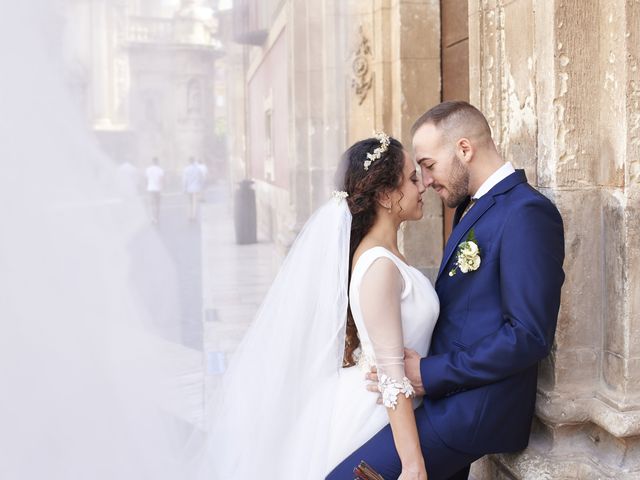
193,182
155,177
205,172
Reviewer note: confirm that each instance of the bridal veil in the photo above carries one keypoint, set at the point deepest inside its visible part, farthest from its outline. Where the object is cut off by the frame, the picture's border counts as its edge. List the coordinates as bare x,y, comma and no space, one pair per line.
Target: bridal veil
273,411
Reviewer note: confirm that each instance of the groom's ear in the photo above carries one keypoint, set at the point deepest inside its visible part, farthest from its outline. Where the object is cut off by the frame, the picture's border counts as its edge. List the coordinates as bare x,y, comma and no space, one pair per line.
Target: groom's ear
464,150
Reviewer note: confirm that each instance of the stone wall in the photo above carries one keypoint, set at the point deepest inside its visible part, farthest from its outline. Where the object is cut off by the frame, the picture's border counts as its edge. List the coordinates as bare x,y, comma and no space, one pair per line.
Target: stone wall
395,77
352,68
318,99
315,136
455,66
234,68
559,83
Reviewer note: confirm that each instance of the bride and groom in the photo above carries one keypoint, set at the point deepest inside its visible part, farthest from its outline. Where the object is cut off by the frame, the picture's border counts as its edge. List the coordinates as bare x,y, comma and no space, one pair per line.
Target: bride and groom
454,368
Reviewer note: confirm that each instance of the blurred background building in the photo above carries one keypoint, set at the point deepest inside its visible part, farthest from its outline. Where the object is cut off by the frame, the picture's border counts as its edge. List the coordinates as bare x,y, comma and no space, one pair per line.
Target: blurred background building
144,72
273,91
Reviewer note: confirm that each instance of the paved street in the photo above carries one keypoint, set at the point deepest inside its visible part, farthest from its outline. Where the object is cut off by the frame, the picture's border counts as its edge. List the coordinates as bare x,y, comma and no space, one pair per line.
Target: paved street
235,280
219,288
205,294
220,283
182,240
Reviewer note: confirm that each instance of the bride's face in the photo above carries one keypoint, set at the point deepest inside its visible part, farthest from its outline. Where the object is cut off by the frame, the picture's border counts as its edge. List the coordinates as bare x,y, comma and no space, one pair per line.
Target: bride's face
407,199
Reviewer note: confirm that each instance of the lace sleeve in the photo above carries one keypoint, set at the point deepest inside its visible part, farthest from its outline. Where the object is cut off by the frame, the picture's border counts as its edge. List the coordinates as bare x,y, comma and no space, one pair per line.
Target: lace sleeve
380,295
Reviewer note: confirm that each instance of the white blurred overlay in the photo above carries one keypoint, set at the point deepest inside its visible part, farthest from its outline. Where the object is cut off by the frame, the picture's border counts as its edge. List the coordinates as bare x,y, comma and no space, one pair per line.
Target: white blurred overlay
89,365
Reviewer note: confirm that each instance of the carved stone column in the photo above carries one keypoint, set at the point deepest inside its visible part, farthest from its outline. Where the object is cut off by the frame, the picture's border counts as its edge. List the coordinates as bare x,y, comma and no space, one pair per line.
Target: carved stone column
560,85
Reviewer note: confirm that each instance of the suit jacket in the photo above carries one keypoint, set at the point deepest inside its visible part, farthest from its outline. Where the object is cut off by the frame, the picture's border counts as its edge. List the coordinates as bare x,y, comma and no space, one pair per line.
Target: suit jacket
496,323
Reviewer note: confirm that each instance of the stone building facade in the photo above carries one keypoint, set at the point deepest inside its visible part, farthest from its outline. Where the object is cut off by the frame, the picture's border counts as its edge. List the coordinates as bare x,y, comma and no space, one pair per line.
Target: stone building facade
315,77
290,65
144,74
559,83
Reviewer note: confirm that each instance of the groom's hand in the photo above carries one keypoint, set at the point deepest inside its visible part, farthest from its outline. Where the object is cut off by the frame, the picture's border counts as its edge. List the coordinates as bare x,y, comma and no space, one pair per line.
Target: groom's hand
411,370
372,376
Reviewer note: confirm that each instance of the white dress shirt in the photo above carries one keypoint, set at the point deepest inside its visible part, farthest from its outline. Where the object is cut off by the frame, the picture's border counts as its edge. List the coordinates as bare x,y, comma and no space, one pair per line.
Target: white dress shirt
496,177
193,179
154,174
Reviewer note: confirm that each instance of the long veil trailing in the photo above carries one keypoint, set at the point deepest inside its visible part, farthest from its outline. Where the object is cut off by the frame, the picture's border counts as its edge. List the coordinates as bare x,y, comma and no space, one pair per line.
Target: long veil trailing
88,358
274,409
85,391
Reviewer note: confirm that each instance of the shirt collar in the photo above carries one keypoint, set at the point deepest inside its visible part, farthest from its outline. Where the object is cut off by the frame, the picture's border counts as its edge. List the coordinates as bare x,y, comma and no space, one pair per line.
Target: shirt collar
496,177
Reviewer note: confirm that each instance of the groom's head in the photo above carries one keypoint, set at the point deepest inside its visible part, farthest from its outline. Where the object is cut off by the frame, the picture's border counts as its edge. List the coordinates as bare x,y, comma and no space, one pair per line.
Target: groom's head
451,142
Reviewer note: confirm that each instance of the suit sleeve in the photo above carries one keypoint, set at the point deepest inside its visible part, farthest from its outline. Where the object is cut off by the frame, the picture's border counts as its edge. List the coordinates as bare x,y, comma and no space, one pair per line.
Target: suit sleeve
531,277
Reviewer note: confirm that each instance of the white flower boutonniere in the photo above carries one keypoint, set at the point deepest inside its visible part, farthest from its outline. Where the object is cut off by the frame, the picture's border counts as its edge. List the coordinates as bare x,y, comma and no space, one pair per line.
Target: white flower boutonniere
468,259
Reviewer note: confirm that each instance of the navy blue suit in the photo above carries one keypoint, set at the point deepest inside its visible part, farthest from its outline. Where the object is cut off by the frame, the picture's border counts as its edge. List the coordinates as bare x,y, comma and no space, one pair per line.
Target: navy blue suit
495,325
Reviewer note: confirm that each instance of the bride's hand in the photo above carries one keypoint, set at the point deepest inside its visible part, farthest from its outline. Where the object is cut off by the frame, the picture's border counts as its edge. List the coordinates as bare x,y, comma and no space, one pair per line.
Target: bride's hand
413,476
412,369
414,472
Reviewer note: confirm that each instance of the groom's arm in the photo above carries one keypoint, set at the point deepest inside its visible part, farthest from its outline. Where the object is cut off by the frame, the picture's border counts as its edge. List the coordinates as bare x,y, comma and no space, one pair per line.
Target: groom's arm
531,277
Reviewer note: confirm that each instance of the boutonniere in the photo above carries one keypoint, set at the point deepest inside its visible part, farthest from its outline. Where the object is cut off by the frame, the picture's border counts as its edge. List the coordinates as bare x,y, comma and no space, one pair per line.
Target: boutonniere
468,256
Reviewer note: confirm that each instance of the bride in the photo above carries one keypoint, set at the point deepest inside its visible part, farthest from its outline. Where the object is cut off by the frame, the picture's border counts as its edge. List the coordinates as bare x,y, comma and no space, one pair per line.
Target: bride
294,403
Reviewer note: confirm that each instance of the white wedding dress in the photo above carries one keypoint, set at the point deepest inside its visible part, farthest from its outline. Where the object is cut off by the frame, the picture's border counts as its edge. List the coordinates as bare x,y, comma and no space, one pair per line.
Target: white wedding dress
287,409
357,416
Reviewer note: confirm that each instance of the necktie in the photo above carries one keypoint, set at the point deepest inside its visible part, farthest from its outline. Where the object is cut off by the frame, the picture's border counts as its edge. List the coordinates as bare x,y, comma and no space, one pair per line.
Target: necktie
468,207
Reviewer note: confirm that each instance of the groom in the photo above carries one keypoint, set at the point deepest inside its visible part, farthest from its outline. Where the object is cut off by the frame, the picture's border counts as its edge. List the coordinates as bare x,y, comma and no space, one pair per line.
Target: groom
499,303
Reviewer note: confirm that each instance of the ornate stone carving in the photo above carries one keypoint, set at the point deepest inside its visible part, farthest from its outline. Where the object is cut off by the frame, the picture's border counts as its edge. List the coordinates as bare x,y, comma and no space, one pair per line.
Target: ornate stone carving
362,79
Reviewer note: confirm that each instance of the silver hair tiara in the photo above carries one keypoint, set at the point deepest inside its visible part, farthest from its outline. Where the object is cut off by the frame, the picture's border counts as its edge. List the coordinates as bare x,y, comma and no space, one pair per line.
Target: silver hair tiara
384,140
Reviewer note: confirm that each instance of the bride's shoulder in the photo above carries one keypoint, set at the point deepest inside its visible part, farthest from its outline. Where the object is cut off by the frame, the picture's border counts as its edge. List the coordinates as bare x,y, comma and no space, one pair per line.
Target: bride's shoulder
364,250
377,265
365,255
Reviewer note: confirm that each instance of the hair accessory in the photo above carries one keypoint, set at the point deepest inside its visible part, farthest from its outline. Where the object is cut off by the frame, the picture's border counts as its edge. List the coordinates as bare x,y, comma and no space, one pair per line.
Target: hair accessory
383,138
339,195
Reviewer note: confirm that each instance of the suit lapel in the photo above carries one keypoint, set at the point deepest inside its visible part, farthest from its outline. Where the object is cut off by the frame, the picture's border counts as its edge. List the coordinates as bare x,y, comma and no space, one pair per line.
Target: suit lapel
462,226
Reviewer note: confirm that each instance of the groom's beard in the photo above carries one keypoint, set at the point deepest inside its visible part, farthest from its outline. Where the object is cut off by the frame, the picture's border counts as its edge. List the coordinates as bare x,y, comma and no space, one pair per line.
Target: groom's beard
458,184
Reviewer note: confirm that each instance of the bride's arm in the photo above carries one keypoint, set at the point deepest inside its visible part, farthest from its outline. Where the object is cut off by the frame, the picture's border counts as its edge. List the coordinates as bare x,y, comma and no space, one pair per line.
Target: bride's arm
380,295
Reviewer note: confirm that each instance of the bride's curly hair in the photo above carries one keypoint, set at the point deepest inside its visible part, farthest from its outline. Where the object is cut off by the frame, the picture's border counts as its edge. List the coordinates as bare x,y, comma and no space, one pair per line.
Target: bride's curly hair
364,187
